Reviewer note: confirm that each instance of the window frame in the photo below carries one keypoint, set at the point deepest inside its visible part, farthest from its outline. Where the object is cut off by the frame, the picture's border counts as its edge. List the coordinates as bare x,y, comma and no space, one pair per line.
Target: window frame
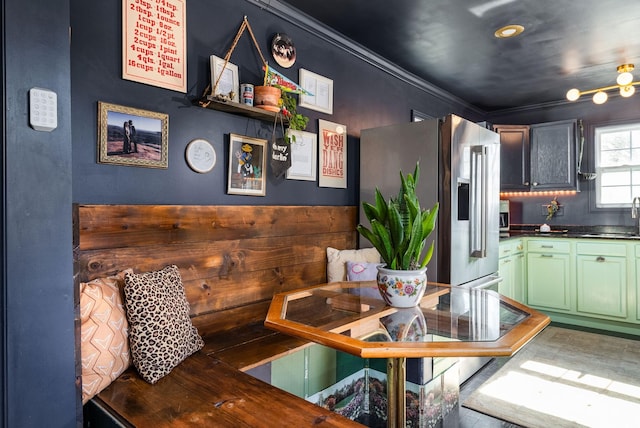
597,186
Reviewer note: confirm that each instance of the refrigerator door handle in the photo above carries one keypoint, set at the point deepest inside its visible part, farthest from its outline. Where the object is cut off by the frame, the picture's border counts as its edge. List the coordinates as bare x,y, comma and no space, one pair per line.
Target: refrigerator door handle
478,209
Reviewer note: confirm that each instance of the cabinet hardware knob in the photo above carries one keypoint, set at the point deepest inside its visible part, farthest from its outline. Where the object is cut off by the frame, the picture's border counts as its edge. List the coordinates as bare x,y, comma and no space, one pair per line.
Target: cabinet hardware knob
600,259
535,183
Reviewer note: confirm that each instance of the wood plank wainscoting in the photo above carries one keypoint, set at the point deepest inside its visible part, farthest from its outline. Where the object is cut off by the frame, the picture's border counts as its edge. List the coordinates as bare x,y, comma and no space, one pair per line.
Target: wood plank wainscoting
232,260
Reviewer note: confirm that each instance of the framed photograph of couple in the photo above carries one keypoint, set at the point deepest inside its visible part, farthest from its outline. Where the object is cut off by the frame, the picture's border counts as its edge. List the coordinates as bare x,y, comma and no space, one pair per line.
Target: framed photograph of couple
247,166
132,137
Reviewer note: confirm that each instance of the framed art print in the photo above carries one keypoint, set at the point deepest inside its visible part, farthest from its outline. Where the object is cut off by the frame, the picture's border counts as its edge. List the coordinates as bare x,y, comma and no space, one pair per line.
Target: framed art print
320,87
226,77
304,149
153,51
131,136
332,154
247,162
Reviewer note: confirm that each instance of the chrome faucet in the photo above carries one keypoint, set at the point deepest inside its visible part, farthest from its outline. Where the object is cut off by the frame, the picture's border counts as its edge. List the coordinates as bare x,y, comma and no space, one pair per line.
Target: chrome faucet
634,213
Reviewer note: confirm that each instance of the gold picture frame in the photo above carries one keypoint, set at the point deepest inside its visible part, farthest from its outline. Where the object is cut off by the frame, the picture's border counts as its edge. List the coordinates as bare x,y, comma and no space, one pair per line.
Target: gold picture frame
247,166
132,137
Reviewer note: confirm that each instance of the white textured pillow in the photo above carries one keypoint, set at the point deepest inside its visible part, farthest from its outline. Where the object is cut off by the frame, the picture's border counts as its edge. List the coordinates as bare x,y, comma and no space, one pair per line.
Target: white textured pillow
337,260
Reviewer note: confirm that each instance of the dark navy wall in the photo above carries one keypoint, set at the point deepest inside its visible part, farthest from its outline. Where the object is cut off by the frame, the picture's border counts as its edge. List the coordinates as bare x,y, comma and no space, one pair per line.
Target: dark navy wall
364,97
579,209
38,361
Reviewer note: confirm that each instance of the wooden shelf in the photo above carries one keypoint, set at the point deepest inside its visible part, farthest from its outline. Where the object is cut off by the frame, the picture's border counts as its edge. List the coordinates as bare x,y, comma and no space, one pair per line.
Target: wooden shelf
240,109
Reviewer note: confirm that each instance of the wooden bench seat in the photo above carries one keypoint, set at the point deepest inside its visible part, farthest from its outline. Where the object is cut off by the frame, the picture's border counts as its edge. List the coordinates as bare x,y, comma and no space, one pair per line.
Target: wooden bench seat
205,392
232,260
251,346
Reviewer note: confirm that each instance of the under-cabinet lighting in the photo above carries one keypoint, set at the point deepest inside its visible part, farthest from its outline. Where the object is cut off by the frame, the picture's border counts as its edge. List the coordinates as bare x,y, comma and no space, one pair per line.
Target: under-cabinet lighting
539,193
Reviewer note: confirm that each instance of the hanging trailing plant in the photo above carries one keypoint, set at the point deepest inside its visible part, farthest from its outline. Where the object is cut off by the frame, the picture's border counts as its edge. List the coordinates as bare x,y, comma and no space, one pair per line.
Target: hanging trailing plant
297,121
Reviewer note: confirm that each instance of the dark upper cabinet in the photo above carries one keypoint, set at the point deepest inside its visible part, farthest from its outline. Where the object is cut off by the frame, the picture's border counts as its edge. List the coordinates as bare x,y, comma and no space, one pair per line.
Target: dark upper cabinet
538,157
514,157
553,156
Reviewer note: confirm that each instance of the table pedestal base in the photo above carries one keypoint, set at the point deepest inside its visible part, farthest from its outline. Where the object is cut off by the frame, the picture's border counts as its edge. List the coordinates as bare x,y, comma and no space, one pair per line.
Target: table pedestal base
396,392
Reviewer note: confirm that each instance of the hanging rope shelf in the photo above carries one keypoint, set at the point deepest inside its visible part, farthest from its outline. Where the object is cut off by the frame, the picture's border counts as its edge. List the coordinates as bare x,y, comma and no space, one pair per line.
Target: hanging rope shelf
223,102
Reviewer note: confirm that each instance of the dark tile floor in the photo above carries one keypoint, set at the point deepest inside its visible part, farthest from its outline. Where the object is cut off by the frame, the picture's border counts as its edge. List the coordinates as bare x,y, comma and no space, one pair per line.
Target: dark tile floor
471,419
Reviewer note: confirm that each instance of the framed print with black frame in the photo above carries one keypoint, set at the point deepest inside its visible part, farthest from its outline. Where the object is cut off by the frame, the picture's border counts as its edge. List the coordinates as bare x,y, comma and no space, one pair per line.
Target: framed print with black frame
132,137
247,163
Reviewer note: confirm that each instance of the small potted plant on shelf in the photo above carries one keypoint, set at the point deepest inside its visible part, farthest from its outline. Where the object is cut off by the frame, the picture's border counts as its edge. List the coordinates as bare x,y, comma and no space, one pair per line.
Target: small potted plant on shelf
399,231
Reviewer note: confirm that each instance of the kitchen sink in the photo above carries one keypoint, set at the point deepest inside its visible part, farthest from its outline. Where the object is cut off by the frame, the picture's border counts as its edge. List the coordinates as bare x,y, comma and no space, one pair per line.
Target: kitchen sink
610,235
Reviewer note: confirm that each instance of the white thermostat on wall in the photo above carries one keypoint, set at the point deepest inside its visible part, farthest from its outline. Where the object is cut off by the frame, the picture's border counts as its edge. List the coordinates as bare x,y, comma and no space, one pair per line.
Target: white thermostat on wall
43,109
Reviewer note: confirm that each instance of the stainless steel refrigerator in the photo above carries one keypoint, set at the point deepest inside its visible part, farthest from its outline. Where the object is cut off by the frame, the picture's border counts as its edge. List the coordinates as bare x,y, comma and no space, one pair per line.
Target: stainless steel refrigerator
459,168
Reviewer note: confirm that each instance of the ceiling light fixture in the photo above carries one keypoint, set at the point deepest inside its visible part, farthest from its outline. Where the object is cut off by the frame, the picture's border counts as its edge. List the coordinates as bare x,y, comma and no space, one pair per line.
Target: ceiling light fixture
624,84
509,31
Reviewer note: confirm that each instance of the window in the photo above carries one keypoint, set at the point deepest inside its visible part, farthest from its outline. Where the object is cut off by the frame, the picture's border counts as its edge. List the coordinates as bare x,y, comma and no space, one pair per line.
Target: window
617,156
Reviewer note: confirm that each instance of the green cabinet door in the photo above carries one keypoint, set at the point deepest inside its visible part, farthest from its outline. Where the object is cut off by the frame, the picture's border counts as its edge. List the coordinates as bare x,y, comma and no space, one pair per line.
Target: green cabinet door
506,272
305,372
638,285
548,281
511,269
321,368
519,278
287,373
602,285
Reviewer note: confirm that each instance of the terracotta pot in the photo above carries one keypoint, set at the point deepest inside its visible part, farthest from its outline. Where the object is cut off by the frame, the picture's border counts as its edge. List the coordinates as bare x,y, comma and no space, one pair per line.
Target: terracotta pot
402,288
267,97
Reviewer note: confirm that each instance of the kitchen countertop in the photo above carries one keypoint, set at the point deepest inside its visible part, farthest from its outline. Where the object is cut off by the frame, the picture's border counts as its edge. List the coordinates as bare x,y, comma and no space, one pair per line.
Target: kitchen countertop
587,232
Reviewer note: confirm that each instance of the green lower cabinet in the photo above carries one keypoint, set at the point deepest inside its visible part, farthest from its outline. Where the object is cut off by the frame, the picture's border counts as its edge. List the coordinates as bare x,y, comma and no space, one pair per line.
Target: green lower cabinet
288,373
548,281
638,286
511,270
321,368
602,286
519,289
506,272
305,372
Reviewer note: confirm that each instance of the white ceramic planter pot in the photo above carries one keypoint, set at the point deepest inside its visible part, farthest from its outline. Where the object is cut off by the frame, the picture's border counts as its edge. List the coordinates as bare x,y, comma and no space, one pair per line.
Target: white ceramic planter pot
406,325
402,288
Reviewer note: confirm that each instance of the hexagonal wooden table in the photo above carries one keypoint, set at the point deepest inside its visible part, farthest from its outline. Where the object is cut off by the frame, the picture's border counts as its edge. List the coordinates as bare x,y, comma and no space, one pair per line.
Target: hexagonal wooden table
449,322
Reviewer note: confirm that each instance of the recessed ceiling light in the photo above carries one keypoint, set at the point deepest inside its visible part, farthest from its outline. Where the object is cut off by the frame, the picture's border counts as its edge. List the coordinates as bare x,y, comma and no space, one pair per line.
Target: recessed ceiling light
508,31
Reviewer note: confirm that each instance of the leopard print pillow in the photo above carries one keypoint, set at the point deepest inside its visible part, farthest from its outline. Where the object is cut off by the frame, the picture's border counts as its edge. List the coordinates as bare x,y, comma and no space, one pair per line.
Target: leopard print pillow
161,334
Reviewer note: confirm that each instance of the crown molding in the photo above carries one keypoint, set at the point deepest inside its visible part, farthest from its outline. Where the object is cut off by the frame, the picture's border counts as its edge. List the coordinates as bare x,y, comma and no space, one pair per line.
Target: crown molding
320,30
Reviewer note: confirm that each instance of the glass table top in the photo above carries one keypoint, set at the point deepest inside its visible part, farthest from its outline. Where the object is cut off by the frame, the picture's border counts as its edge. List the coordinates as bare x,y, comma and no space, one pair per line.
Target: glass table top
449,321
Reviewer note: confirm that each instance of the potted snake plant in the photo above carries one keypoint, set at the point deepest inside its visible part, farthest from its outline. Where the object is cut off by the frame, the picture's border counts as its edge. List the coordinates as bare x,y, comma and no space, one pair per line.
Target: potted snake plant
399,229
